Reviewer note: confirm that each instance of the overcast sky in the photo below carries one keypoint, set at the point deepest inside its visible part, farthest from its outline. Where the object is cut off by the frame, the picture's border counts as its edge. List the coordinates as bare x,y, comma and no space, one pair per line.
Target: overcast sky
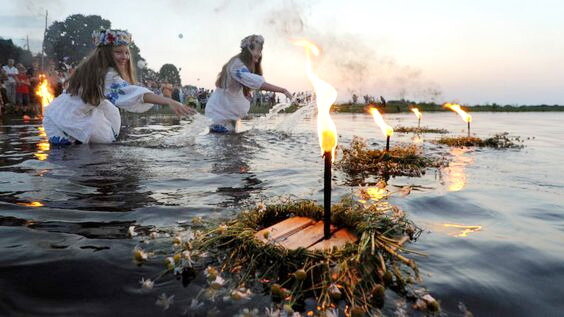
473,52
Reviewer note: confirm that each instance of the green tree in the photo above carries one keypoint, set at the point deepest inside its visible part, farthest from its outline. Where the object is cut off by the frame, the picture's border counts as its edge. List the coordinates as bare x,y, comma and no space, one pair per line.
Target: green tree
71,40
9,50
169,73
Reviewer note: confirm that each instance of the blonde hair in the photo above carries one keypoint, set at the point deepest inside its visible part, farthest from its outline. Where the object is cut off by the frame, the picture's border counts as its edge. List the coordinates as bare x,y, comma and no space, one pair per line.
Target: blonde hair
87,80
247,59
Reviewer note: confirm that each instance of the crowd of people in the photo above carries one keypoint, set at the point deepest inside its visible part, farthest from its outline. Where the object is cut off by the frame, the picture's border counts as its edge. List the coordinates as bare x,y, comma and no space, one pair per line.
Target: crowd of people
19,82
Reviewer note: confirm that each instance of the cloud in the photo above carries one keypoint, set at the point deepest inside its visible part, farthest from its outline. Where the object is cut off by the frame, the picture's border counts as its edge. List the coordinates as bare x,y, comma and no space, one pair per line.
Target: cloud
348,61
21,21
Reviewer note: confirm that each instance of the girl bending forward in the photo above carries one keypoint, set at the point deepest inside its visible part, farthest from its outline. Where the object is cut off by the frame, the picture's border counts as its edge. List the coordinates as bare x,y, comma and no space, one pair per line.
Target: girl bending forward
87,112
230,101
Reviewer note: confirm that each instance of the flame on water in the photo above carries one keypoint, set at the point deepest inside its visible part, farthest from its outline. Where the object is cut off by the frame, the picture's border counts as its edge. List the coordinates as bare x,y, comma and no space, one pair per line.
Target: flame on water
466,229
456,108
325,96
386,129
44,91
417,113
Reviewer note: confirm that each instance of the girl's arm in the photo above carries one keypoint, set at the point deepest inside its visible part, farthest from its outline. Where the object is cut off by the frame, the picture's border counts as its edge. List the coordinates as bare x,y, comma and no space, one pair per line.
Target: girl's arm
274,88
177,107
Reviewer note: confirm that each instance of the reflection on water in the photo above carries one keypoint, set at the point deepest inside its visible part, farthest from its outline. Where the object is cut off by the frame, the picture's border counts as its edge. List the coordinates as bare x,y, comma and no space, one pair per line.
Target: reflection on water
230,154
466,230
42,146
454,176
32,204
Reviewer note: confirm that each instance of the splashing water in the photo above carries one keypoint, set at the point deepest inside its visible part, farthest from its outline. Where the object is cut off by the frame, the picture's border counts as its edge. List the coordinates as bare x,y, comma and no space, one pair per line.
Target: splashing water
274,120
199,125
262,123
181,135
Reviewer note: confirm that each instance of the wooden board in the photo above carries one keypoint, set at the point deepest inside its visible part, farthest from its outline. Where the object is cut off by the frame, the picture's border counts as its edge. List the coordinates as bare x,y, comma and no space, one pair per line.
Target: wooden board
338,239
306,237
284,228
303,232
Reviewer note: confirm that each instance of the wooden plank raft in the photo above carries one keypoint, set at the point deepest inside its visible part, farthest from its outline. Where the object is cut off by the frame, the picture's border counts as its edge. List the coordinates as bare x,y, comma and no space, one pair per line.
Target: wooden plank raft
304,232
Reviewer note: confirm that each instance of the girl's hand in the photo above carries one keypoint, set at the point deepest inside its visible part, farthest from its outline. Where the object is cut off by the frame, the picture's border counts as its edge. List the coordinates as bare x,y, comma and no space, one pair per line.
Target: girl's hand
180,109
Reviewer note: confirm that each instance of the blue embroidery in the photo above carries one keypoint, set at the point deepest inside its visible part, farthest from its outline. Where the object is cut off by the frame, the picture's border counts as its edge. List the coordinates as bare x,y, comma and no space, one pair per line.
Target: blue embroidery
240,71
57,140
115,91
218,128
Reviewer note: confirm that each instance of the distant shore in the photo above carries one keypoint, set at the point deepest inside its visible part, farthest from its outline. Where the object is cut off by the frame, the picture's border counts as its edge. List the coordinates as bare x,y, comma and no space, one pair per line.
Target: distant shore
405,106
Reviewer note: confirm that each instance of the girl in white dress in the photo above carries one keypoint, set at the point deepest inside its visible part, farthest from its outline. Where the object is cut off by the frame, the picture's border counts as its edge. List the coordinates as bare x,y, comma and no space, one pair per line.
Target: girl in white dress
87,112
230,101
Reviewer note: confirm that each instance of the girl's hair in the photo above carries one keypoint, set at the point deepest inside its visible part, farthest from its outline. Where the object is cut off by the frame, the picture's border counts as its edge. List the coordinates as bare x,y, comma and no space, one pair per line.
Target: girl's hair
247,59
87,80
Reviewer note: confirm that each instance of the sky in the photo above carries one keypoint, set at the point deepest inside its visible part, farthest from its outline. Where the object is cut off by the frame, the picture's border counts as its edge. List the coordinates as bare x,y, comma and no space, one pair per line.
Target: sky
470,52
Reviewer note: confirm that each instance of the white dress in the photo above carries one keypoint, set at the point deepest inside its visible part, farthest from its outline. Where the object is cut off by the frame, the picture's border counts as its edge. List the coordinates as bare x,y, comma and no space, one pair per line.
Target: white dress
228,104
68,119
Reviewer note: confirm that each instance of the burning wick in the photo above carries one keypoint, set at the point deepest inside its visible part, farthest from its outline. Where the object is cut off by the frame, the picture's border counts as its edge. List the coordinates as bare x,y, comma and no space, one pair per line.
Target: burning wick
419,115
325,96
386,129
463,114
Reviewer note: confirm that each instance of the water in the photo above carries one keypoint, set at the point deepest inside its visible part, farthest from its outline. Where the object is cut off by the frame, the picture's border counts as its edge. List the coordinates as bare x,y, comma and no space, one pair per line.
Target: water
65,212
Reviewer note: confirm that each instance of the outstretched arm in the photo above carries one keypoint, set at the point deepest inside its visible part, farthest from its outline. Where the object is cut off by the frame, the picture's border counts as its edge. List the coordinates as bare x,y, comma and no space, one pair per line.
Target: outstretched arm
274,88
177,107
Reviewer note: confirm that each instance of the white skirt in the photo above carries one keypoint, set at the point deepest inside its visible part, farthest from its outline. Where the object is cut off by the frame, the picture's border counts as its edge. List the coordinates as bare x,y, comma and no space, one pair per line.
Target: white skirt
68,120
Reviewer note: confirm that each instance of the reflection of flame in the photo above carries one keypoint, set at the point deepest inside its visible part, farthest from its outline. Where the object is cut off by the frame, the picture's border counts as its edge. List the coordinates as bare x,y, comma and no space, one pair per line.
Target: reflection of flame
376,193
43,145
386,129
325,95
42,131
417,113
373,193
44,91
32,204
455,174
464,233
456,108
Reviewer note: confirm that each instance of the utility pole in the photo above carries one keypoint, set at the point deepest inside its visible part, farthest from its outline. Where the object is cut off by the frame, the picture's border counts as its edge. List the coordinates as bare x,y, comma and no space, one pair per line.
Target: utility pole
43,45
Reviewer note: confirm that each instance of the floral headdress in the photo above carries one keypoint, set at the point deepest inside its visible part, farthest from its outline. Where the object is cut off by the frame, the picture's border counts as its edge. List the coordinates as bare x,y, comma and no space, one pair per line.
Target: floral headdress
111,37
253,40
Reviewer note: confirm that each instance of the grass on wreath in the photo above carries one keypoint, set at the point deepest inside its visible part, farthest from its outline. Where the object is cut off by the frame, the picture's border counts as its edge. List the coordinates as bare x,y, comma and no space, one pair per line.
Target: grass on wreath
402,129
357,273
404,160
498,141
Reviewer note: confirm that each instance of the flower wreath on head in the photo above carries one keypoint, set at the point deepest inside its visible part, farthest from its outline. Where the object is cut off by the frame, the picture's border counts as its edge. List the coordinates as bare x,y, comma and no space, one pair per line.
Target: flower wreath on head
253,40
111,37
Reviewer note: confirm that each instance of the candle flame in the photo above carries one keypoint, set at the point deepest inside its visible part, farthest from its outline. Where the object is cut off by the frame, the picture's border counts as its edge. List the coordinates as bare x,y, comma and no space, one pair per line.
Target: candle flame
456,108
325,96
417,113
386,129
44,91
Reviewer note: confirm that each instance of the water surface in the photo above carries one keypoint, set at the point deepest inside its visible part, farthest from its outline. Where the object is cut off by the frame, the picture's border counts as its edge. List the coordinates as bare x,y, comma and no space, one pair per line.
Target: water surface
493,220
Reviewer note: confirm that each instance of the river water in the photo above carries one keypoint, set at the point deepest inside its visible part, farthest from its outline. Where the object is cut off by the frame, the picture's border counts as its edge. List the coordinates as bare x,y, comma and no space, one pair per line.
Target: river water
493,220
